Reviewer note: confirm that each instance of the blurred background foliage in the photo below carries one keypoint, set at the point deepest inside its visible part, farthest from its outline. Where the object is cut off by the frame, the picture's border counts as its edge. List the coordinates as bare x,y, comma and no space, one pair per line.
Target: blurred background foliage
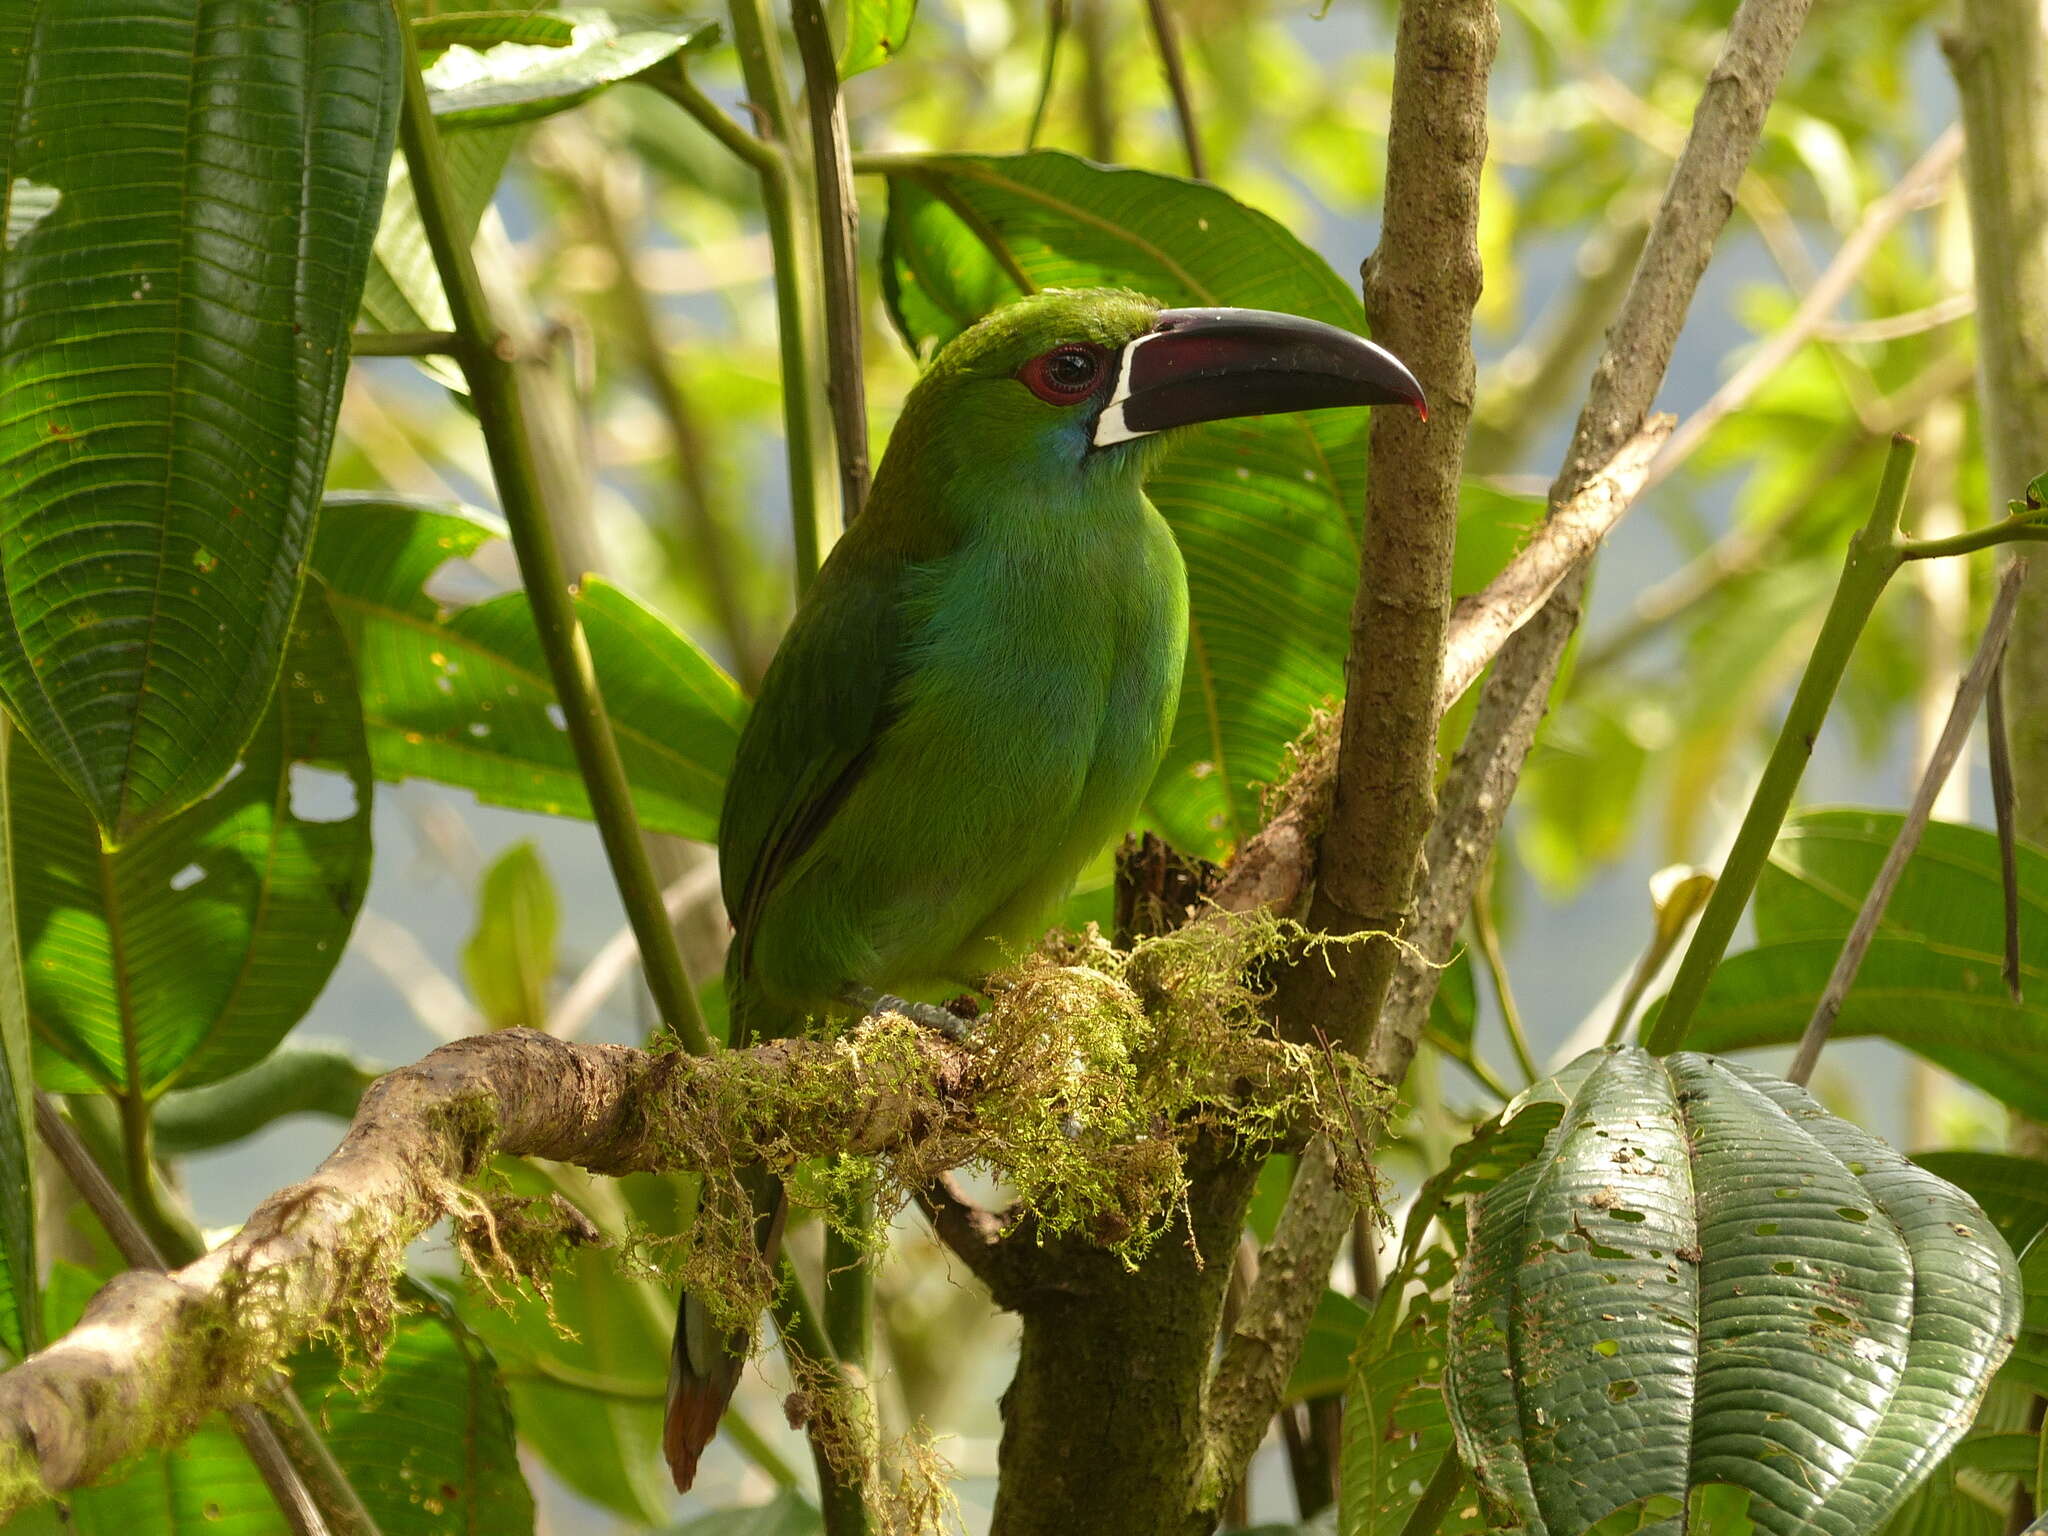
627,251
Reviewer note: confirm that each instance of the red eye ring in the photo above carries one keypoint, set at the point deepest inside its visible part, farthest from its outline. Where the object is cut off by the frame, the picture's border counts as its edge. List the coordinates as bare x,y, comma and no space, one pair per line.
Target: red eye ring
1065,374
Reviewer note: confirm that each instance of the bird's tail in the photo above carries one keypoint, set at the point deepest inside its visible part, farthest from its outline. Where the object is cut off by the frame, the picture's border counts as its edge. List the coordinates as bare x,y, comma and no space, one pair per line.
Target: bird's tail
705,1361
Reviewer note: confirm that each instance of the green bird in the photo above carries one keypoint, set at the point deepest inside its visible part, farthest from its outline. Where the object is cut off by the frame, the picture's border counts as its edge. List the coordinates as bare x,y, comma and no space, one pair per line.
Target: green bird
978,687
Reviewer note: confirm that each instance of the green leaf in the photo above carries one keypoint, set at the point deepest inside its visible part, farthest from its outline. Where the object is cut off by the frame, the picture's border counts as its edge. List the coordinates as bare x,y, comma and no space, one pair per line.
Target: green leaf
510,958
460,693
587,1383
430,1446
300,1077
172,365
486,29
186,954
875,30
2012,1190
1325,1361
514,82
1266,510
20,1311
402,291
1705,1278
787,1514
1931,981
1396,1425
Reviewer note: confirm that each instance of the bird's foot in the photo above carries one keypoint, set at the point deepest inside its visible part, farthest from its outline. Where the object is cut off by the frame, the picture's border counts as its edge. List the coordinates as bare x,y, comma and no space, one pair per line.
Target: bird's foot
945,1022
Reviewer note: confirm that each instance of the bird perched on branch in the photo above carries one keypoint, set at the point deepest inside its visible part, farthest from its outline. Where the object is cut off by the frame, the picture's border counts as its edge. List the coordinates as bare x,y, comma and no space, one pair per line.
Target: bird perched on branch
977,689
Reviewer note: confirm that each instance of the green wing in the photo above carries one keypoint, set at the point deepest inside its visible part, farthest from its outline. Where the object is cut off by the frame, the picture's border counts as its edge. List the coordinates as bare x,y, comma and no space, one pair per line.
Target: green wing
824,704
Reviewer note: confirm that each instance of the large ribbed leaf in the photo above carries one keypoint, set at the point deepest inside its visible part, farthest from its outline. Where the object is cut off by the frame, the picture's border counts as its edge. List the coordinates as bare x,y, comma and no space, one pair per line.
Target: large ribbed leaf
1932,979
1705,1278
173,338
189,952
428,1447
19,1311
461,693
1266,510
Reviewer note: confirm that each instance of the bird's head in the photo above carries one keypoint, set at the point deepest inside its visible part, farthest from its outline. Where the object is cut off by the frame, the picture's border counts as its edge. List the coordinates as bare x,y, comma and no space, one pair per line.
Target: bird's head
1091,381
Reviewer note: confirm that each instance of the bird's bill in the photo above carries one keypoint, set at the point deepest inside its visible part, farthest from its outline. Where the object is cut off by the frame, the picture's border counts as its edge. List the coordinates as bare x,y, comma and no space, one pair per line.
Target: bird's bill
1199,365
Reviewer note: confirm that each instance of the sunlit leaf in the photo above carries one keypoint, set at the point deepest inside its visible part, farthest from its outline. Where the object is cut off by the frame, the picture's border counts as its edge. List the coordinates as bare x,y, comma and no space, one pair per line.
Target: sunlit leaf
513,82
875,30
171,366
455,686
510,957
188,953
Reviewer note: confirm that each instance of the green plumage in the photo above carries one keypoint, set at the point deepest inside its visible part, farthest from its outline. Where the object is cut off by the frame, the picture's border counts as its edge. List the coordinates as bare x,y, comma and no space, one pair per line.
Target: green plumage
973,697
978,687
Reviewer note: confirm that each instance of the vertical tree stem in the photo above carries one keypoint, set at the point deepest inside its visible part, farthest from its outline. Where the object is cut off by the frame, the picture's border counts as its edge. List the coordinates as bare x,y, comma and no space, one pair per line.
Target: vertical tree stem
1999,53
482,355
1874,553
814,519
809,1349
838,252
1168,43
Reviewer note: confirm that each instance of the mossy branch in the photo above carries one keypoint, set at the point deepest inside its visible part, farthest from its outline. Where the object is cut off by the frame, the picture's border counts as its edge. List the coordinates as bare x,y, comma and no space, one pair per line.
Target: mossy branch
1140,1049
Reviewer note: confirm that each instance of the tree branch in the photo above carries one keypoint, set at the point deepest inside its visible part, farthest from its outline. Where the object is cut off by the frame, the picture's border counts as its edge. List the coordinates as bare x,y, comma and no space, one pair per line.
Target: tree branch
155,1351
1420,288
1260,1353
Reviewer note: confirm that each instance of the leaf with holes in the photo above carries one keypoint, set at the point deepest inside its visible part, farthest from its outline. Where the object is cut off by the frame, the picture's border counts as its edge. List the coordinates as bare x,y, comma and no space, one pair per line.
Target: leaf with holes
172,358
189,952
428,1447
455,687
1704,1278
1931,981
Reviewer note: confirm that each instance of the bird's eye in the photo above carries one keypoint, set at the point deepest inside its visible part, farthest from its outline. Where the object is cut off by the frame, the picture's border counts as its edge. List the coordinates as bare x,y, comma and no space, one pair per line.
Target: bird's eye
1063,375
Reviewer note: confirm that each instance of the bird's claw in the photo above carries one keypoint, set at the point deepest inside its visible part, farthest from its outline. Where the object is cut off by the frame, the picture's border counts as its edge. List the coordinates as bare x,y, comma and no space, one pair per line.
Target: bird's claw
943,1021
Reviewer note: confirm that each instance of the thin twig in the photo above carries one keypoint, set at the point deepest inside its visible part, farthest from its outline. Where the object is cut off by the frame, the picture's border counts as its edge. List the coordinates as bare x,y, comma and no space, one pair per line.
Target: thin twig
2002,809
1487,936
1482,624
1961,716
1912,322
495,392
839,250
1055,29
1873,557
1167,42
